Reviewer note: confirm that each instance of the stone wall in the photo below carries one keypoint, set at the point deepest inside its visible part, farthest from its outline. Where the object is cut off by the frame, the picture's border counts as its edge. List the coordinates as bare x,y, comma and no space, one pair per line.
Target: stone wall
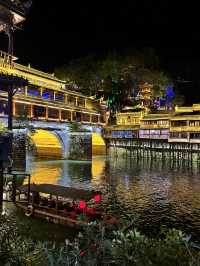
19,152
80,146
13,155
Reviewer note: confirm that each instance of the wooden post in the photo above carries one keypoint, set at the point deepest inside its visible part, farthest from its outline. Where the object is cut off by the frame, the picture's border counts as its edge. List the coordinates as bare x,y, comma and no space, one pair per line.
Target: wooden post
33,198
26,90
66,100
47,113
41,91
1,185
56,204
14,108
60,114
31,111
29,188
14,189
10,109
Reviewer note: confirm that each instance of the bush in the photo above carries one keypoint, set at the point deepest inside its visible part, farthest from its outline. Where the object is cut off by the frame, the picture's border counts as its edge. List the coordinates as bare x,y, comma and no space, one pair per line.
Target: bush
97,247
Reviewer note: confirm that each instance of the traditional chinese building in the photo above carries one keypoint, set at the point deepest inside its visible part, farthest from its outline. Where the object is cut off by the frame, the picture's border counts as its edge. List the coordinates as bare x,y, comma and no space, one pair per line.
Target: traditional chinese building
46,97
155,126
185,124
145,93
127,123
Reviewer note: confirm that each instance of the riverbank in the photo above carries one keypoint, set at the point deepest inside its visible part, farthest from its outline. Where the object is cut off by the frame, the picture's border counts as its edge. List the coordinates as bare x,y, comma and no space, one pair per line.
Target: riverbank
98,246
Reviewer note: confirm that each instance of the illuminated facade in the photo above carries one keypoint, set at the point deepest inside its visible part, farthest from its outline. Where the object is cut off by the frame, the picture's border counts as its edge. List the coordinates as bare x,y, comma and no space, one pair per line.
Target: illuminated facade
128,117
46,97
127,123
181,126
185,125
154,126
145,93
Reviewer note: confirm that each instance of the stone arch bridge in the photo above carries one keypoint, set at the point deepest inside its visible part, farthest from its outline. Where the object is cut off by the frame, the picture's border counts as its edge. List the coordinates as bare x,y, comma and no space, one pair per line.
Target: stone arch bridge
57,144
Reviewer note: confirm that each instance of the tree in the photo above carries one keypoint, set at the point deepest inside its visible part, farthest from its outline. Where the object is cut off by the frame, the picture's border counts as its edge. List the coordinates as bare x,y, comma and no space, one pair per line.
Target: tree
117,75
81,74
178,99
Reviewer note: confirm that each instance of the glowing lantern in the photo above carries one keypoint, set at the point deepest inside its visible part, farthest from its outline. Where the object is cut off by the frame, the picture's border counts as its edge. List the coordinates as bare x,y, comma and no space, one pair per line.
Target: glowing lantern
97,198
82,204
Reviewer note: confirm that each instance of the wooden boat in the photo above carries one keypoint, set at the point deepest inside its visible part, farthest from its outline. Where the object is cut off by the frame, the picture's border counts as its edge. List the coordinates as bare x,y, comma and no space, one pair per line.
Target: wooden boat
50,202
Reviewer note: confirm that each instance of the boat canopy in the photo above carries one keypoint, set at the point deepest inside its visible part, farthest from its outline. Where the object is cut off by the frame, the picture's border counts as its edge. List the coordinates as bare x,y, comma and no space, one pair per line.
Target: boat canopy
56,190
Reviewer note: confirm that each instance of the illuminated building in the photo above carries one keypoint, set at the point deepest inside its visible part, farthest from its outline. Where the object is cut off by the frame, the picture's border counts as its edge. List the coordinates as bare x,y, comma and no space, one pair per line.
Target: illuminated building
127,123
180,126
129,116
145,94
154,126
185,125
12,12
46,97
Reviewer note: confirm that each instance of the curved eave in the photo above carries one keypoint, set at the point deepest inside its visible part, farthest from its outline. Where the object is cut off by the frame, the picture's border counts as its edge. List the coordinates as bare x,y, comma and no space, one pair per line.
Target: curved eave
18,13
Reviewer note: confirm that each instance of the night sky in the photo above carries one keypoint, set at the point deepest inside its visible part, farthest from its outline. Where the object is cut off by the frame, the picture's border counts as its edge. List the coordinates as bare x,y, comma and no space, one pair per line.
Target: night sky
57,31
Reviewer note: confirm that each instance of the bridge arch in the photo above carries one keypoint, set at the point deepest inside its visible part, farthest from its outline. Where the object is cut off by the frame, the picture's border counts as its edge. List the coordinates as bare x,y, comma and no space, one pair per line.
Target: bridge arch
54,144
47,144
98,144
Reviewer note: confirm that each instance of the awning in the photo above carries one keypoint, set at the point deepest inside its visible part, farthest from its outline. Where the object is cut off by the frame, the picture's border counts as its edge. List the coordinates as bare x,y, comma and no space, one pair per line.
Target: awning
56,190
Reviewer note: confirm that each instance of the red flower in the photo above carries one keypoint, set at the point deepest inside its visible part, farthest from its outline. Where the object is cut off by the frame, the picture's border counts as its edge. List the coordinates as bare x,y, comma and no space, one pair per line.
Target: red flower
82,204
97,198
82,253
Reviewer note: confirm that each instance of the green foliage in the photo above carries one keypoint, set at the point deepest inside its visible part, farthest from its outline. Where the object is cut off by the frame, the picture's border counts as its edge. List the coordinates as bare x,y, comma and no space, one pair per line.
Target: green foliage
77,127
178,99
22,122
81,73
98,245
13,248
2,128
115,74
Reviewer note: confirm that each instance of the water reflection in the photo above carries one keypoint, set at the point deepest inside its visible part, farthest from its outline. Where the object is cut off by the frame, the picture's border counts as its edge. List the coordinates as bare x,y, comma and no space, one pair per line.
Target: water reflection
67,173
162,191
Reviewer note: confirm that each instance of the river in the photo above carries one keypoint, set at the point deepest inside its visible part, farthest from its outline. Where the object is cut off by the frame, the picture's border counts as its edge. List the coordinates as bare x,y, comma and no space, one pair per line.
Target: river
162,192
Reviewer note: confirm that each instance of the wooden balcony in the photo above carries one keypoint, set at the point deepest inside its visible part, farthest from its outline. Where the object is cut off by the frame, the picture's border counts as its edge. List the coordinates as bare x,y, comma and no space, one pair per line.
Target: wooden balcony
153,126
185,129
176,140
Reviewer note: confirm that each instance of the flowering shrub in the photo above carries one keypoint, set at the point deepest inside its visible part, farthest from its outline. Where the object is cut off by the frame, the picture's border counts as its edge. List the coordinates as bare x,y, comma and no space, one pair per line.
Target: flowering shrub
97,246
13,248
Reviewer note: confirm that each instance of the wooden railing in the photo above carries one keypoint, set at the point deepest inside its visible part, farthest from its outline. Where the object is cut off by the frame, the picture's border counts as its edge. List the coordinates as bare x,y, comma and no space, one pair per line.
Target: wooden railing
154,126
5,60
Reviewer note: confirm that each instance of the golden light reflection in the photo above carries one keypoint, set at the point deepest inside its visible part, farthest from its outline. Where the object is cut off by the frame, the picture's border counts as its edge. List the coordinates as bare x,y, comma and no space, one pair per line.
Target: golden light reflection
98,145
47,144
98,167
45,174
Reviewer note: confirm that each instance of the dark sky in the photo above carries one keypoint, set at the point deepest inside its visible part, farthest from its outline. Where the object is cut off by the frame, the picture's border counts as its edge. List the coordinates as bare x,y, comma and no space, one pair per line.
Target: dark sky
58,31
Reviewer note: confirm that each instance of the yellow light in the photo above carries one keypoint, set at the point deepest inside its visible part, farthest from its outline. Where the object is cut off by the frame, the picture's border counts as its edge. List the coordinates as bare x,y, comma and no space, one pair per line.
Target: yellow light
47,144
98,166
98,144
